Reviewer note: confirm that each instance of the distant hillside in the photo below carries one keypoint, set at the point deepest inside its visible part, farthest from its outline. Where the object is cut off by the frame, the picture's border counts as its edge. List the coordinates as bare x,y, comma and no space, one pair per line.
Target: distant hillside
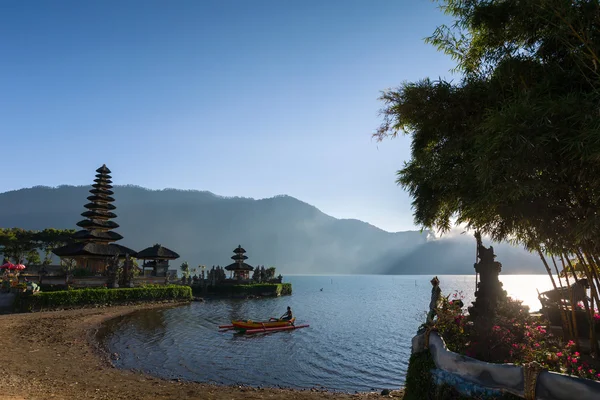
457,256
281,231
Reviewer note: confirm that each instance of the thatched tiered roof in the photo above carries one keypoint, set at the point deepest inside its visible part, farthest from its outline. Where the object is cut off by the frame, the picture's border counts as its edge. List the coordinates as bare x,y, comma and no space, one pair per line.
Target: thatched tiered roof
96,236
239,264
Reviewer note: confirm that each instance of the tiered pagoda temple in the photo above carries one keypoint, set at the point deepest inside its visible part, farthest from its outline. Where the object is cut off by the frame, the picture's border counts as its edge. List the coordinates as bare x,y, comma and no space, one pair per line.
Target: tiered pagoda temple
94,247
239,269
157,258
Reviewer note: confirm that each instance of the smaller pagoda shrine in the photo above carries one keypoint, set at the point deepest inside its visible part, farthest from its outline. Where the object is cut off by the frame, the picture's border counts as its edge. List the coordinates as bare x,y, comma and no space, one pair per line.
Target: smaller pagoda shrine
239,269
94,248
157,258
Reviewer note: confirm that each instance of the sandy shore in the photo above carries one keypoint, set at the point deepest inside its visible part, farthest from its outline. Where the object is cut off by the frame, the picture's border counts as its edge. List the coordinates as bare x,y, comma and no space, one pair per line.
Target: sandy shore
54,355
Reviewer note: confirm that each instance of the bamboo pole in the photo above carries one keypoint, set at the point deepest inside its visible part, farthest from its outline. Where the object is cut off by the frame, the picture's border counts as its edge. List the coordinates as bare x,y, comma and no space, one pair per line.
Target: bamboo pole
593,267
594,295
573,318
549,271
563,311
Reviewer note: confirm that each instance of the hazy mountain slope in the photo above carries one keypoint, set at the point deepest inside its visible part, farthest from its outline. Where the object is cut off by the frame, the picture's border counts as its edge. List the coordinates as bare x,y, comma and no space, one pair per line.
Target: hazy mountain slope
282,231
204,228
457,256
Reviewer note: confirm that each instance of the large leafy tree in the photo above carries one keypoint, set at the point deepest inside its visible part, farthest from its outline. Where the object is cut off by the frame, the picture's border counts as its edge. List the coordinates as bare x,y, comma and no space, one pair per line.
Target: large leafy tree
512,148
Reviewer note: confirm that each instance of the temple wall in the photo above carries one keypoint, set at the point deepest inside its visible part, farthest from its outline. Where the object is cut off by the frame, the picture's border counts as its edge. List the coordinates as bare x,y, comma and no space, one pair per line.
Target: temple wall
472,377
150,280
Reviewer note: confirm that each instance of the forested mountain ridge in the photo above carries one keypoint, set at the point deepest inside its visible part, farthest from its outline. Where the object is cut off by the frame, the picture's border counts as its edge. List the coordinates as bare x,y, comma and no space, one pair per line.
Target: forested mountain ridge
281,231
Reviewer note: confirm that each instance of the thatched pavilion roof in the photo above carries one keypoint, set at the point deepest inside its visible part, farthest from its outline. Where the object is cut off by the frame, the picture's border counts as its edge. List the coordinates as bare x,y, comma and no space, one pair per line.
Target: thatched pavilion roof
94,250
157,252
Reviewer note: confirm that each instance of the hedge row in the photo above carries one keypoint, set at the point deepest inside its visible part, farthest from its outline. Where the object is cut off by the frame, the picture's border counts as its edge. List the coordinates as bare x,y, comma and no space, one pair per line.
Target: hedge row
257,289
84,297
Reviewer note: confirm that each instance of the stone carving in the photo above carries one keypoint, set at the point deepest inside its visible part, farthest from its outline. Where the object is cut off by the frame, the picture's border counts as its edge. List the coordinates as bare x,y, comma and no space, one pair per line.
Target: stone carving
489,289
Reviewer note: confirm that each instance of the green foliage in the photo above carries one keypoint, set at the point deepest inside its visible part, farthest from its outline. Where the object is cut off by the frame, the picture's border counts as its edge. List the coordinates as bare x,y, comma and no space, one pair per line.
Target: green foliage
419,384
84,297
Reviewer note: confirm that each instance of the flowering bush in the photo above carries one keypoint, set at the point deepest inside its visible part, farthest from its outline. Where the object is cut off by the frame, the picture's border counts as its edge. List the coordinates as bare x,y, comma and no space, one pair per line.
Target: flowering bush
510,336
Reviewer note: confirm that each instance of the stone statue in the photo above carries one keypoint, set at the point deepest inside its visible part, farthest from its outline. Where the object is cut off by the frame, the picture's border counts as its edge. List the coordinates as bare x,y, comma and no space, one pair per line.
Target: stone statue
489,289
436,294
112,272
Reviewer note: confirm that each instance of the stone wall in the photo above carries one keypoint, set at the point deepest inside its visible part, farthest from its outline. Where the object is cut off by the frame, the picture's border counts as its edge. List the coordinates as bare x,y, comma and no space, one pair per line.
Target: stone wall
472,377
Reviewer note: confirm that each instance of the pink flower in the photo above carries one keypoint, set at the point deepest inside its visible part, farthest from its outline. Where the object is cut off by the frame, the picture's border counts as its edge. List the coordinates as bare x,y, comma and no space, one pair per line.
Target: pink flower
576,354
571,343
559,354
574,360
536,345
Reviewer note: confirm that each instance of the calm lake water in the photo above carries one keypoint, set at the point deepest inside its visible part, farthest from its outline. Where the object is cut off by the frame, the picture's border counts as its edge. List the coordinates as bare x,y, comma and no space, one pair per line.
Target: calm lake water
359,336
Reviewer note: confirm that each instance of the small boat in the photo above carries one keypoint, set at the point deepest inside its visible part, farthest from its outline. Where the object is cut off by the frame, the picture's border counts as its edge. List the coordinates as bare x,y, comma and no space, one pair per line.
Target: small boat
273,323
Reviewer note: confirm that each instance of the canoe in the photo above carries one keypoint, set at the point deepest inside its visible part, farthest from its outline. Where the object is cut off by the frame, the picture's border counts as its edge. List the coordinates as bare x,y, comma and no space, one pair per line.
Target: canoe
249,324
281,328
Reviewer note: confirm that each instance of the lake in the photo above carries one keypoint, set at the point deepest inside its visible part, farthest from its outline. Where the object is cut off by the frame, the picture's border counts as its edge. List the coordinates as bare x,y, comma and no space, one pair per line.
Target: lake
359,336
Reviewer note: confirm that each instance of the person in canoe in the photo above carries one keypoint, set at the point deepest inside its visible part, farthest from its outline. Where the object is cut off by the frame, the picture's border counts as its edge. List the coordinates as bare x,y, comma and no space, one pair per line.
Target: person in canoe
287,316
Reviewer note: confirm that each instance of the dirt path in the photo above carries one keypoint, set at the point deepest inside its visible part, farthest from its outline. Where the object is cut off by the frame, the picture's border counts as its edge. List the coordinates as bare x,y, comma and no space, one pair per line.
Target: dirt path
54,355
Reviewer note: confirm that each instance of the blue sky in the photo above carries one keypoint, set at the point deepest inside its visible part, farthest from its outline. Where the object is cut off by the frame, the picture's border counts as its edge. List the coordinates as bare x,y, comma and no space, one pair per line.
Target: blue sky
242,98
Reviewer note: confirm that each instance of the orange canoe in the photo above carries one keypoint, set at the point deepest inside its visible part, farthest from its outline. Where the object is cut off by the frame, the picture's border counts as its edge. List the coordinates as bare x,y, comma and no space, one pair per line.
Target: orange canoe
249,324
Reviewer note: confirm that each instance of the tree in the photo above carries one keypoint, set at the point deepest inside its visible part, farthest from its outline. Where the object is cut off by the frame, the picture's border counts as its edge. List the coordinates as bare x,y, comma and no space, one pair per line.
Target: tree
16,244
33,257
51,239
185,269
511,149
270,273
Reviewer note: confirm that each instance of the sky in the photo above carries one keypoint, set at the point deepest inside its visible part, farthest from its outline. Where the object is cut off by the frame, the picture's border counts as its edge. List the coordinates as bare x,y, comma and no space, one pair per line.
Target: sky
241,98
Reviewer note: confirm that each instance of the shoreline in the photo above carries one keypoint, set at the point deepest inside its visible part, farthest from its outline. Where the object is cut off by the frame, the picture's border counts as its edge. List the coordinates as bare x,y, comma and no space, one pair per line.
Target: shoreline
56,354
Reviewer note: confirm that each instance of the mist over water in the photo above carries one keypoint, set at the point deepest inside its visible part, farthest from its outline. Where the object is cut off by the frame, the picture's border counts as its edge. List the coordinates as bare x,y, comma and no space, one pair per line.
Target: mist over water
359,336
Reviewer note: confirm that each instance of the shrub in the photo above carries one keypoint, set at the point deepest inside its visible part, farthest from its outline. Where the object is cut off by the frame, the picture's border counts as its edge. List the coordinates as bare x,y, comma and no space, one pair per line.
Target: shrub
419,384
77,298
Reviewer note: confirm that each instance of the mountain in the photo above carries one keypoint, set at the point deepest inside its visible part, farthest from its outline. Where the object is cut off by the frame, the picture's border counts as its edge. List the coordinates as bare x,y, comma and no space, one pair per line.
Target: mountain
456,255
282,231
